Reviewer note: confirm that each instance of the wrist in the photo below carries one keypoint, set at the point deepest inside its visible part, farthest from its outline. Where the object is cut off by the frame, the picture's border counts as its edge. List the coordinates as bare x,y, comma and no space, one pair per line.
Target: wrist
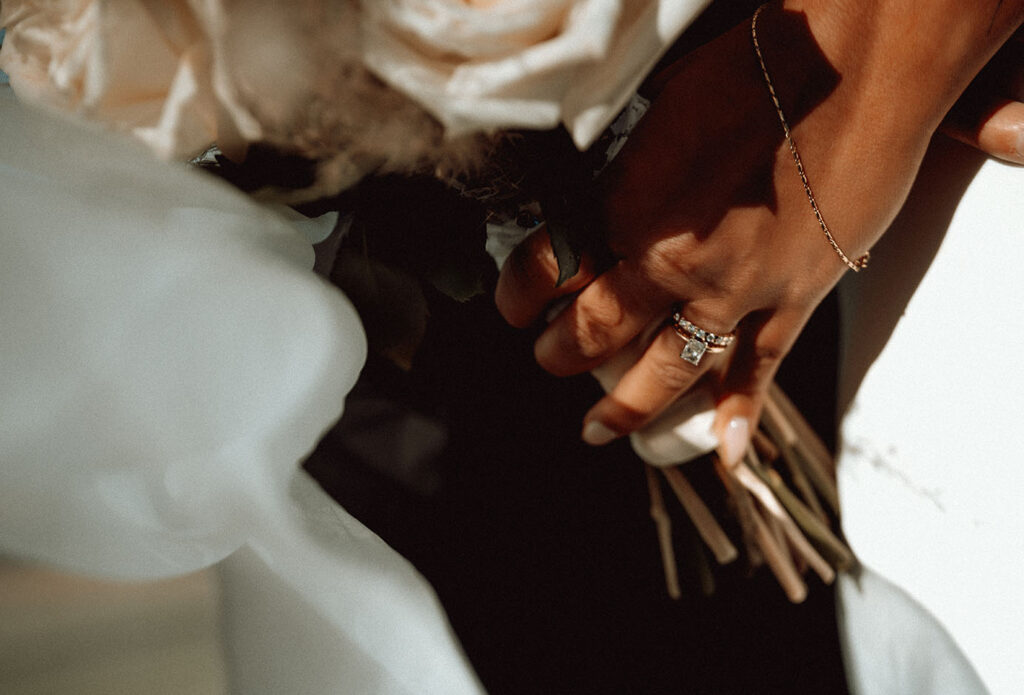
898,66
861,143
908,59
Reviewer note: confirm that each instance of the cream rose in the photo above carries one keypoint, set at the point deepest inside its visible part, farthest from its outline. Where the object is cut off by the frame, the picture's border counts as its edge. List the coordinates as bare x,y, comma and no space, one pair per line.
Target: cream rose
183,74
521,63
303,76
142,67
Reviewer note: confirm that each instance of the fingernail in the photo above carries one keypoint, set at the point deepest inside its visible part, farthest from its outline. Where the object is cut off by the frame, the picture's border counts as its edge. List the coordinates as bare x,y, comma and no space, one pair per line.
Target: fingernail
597,433
734,441
1020,144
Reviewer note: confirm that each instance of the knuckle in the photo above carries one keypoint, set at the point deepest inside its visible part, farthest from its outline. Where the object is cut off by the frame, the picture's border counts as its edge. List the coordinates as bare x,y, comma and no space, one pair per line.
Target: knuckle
593,327
671,262
685,269
747,284
591,339
573,349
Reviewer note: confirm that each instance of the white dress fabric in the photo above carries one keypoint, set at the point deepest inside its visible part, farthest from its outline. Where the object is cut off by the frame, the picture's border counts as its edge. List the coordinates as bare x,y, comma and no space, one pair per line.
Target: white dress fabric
930,468
168,360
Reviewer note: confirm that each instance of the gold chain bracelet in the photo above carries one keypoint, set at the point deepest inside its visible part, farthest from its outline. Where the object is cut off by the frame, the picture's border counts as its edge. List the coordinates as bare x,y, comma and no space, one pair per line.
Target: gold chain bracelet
854,265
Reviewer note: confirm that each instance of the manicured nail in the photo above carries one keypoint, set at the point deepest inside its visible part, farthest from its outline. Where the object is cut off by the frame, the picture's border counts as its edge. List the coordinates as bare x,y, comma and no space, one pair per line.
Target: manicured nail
597,433
734,441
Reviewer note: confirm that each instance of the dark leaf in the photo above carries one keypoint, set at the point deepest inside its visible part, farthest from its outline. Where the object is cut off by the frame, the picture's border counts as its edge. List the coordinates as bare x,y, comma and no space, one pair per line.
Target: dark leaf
566,253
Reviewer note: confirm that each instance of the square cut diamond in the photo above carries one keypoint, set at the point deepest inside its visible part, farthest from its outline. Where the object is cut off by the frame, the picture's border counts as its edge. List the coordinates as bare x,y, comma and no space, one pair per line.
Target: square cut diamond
693,351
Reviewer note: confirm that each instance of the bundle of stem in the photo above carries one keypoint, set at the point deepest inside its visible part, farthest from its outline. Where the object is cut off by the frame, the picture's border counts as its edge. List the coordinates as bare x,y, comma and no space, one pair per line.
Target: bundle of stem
786,529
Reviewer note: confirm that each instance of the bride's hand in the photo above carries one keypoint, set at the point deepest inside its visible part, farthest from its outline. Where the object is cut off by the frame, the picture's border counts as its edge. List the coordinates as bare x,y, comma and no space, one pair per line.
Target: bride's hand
705,208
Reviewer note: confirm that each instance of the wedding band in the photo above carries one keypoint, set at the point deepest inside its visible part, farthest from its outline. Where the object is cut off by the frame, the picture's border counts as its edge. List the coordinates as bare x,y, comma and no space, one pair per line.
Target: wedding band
698,340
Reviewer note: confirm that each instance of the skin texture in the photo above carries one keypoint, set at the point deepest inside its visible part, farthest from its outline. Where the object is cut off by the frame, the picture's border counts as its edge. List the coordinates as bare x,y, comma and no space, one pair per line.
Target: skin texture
704,206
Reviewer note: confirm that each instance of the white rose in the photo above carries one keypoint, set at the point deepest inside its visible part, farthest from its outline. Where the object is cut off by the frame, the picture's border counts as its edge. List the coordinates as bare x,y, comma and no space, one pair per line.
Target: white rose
141,67
183,74
488,64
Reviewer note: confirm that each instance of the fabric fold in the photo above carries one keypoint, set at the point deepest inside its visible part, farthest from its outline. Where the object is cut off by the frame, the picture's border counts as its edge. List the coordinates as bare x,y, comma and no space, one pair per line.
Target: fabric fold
166,350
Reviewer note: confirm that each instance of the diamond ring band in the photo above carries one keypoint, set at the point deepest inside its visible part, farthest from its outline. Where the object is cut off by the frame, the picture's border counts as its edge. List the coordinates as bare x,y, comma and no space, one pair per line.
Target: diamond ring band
698,340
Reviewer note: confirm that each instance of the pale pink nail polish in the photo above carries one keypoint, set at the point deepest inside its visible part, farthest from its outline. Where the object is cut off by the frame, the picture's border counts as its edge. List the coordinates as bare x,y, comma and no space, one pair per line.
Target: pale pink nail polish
597,433
734,441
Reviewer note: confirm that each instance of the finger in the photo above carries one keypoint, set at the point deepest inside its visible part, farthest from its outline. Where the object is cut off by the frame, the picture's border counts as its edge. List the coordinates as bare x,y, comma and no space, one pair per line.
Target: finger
610,372
750,373
650,386
529,280
995,127
604,317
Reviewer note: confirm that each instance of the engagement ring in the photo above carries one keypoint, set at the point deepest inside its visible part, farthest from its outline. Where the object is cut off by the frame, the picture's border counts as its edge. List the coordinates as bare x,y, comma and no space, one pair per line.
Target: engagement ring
698,340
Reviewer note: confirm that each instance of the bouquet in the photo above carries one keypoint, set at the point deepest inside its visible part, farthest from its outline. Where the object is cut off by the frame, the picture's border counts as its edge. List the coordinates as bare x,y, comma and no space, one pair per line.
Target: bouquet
416,89
782,493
